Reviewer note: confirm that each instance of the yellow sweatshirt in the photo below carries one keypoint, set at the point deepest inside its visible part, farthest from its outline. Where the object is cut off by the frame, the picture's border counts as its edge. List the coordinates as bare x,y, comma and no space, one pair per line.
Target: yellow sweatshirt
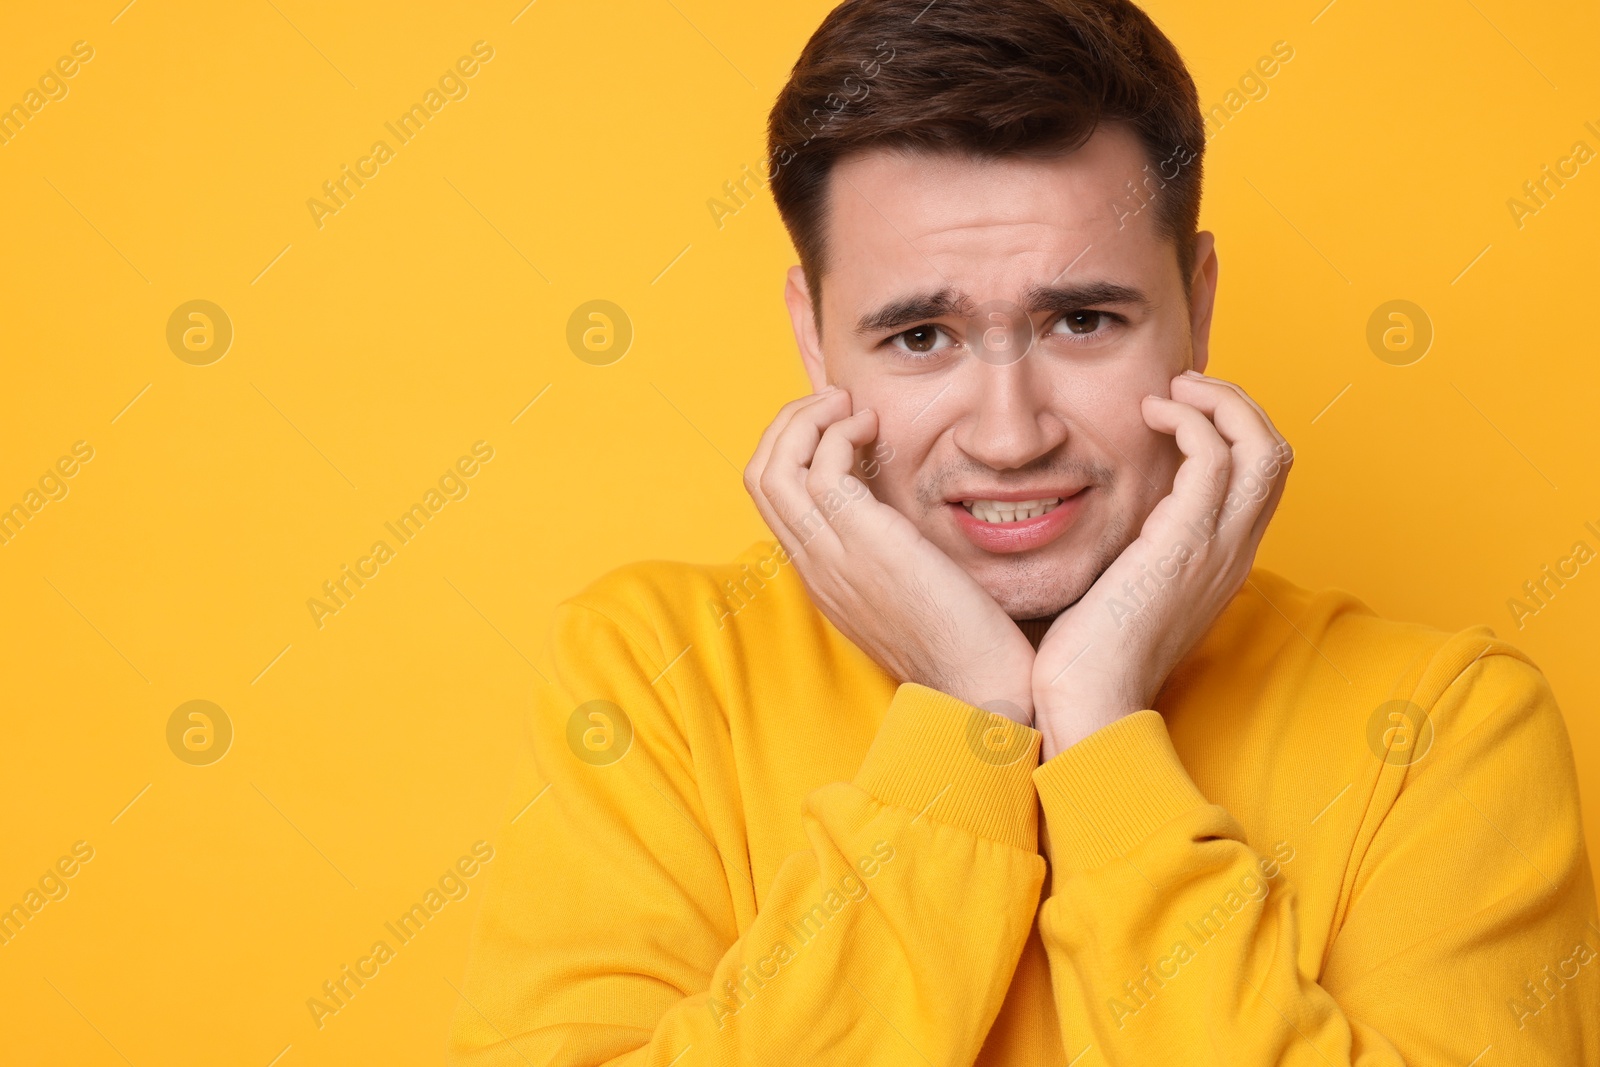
1335,840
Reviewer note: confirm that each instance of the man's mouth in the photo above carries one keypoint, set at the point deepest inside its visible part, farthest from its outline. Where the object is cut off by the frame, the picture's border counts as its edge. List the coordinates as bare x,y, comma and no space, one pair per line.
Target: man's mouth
998,511
1017,525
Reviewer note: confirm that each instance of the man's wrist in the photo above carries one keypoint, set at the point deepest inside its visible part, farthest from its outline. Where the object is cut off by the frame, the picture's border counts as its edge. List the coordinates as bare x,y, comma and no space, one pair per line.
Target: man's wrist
1065,719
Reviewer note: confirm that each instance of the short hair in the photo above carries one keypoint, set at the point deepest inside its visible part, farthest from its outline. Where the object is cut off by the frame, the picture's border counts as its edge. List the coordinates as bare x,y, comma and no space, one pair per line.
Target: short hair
988,79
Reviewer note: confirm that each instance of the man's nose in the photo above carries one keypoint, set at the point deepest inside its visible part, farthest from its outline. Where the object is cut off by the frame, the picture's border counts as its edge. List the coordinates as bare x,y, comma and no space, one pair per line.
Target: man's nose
1010,421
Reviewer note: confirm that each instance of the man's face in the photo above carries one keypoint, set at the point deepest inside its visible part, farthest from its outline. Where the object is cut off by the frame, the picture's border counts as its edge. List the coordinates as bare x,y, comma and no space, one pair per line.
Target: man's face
933,264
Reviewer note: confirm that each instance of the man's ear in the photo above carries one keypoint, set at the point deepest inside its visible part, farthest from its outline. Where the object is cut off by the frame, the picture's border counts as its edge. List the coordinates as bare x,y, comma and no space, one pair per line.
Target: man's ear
1203,296
797,294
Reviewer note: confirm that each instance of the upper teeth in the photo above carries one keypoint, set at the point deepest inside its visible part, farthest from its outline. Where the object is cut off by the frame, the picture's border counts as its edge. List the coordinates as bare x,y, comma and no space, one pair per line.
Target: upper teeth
1009,510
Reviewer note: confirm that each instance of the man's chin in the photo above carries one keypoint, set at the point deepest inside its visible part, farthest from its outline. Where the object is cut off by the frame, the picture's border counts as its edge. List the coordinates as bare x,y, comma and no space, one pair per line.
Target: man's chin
1038,596
1043,587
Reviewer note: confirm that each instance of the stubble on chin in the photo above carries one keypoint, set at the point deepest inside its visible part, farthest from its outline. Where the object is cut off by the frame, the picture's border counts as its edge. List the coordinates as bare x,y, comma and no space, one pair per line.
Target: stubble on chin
1042,586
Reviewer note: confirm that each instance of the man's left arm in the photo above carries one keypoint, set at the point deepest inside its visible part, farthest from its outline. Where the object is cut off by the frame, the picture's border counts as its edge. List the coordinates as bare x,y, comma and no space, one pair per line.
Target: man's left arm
1469,937
1474,881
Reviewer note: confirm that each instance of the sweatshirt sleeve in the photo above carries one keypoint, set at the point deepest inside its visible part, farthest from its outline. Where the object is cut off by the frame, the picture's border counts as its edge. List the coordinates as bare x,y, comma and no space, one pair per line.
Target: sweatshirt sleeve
608,932
1469,924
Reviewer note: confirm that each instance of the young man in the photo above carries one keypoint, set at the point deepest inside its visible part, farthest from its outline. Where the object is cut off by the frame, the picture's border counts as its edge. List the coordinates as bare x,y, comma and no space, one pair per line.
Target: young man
1005,752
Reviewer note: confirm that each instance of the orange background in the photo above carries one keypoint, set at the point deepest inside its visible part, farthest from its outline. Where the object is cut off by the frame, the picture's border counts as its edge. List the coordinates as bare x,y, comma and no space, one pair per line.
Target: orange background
369,754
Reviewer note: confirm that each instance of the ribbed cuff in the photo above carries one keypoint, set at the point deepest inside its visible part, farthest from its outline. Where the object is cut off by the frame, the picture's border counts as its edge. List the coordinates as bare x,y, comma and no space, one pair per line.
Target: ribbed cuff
957,764
1110,791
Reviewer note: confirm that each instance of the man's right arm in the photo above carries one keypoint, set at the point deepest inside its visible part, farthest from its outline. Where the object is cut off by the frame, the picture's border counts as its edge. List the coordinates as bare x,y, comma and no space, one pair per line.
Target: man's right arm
609,934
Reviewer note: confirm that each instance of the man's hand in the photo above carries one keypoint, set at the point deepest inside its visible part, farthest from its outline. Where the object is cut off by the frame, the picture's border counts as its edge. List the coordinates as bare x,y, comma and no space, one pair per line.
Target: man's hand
886,587
1110,653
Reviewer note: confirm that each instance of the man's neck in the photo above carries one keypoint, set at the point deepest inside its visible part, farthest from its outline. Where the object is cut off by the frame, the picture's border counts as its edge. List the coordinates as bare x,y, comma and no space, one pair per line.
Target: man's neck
1034,629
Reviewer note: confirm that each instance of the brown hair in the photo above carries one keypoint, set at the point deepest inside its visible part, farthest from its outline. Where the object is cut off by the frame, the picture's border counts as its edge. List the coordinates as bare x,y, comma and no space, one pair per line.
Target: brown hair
987,78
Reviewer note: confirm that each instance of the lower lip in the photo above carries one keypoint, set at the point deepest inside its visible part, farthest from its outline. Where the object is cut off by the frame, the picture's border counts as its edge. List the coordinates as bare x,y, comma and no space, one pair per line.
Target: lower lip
1024,534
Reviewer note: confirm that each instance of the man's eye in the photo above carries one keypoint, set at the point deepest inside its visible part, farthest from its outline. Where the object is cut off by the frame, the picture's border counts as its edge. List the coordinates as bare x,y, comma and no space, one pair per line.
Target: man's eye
922,339
1080,322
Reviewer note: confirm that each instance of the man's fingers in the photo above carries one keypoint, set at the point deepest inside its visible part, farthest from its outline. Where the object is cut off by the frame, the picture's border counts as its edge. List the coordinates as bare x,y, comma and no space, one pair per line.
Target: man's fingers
1261,454
1202,481
783,481
832,481
769,437
1239,419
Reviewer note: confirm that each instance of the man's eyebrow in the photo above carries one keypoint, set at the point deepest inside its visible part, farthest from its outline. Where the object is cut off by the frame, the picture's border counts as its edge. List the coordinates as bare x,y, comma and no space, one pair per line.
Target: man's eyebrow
918,307
947,302
1083,295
